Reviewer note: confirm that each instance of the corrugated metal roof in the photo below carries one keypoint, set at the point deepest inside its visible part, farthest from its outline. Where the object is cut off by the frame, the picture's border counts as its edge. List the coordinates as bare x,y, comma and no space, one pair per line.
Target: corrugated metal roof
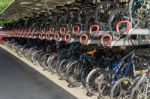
20,8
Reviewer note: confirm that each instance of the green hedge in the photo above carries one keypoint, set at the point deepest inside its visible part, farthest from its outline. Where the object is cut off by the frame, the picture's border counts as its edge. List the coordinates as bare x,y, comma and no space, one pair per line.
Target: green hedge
4,4
2,22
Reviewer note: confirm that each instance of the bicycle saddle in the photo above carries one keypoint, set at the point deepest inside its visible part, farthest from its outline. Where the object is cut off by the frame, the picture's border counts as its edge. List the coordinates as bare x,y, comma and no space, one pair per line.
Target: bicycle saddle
92,52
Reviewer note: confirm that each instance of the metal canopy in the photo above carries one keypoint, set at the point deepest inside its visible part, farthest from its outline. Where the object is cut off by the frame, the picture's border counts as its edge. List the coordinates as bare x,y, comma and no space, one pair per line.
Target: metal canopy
20,8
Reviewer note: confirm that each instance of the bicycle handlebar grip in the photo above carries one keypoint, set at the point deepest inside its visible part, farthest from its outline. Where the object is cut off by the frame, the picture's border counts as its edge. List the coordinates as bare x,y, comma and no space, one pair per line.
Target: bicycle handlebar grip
63,30
123,22
106,36
67,37
92,27
76,29
84,39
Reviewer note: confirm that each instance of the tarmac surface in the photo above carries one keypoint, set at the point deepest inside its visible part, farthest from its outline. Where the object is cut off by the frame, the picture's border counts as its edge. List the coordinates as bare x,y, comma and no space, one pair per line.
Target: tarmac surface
19,81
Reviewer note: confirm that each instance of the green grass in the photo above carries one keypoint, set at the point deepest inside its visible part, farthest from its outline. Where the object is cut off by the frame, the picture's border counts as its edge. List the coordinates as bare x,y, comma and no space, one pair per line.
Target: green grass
4,4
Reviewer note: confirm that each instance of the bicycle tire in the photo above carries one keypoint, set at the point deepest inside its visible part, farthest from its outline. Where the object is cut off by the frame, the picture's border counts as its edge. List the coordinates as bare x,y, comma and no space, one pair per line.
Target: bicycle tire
68,71
97,8
53,64
105,80
137,88
62,69
88,86
116,84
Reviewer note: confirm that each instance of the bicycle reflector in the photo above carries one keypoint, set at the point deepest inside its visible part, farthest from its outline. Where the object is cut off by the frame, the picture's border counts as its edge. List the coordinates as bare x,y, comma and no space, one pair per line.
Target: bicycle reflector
94,29
76,29
84,39
106,40
123,22
67,37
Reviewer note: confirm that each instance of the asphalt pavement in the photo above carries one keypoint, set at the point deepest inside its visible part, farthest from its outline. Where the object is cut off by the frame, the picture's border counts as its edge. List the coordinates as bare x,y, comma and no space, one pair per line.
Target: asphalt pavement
19,81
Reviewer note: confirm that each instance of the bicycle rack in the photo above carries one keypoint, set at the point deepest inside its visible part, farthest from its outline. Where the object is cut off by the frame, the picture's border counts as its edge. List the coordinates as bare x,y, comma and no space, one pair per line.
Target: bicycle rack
92,36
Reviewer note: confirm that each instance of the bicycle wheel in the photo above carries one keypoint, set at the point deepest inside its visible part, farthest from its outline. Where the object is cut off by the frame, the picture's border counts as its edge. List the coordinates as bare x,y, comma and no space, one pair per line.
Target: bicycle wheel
44,63
34,57
141,90
104,85
19,52
53,64
92,81
63,67
30,54
84,74
102,11
40,57
121,89
116,16
73,73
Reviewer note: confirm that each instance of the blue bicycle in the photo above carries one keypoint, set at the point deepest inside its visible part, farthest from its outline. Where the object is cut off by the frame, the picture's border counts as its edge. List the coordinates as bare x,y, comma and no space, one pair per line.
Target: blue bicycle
120,68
